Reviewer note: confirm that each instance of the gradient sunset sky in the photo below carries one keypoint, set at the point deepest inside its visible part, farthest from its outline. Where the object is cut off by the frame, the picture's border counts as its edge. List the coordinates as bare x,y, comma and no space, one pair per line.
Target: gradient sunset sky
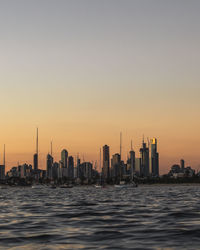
82,71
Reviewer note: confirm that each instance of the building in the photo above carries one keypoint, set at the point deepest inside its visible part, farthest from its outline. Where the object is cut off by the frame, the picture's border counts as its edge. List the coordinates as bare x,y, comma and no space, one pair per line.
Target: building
64,163
132,162
35,161
2,167
35,156
56,170
64,158
85,171
49,166
137,166
116,166
2,172
178,171
106,162
154,158
71,167
182,164
144,164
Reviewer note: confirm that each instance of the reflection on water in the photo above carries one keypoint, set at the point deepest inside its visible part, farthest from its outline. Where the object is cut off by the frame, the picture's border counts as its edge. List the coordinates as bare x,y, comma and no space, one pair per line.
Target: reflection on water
147,217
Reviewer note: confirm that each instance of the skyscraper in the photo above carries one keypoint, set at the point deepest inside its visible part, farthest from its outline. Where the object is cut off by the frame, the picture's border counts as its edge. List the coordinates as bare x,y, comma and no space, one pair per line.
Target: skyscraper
116,166
182,164
132,160
35,157
71,167
64,158
2,172
144,156
49,166
154,158
106,161
2,167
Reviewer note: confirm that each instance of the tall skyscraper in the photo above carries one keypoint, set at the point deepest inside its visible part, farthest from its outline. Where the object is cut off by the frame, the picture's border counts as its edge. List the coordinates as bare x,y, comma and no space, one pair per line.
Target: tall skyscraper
116,166
182,164
2,167
35,157
154,158
49,166
71,167
64,158
132,160
106,161
144,156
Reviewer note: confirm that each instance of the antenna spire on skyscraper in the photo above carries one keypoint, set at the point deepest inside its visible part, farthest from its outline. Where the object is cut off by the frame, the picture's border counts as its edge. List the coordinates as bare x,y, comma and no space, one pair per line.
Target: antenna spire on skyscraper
4,155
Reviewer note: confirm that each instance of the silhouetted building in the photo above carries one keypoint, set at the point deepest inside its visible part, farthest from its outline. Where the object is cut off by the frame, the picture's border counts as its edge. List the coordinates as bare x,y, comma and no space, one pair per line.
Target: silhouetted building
144,156
137,166
64,163
55,170
64,158
71,167
35,161
35,157
154,158
116,166
182,163
132,162
49,166
178,171
2,172
106,162
85,170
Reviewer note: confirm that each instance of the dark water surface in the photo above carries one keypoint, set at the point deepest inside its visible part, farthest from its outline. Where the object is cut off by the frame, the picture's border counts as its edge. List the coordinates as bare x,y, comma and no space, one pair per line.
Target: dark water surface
147,217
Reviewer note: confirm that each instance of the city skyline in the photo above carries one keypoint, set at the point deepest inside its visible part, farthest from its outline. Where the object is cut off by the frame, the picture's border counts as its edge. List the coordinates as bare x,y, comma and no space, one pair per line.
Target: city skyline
39,158
84,70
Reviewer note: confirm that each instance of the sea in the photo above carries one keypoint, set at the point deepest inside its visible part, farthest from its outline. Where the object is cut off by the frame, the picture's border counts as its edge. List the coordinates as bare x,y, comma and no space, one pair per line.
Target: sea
85,217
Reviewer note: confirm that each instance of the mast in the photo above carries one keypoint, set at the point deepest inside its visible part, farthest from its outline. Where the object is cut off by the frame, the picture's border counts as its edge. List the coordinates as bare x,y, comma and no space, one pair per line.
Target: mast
4,155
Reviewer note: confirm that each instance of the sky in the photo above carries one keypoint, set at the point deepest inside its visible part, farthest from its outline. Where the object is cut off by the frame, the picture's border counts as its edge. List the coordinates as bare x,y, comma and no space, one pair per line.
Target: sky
84,70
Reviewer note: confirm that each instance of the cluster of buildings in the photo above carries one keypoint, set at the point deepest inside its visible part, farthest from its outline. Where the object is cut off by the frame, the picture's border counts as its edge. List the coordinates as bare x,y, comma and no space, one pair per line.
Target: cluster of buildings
113,169
147,165
180,171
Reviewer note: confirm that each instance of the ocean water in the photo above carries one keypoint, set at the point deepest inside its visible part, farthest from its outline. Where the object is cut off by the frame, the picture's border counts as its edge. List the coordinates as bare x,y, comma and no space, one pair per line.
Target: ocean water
147,217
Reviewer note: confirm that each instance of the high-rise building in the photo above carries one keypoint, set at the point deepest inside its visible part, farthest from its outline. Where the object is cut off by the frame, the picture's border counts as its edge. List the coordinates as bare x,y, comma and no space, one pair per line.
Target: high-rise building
154,158
182,163
137,166
71,167
2,167
116,166
49,166
85,170
132,161
106,161
35,157
144,156
55,170
2,172
64,158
